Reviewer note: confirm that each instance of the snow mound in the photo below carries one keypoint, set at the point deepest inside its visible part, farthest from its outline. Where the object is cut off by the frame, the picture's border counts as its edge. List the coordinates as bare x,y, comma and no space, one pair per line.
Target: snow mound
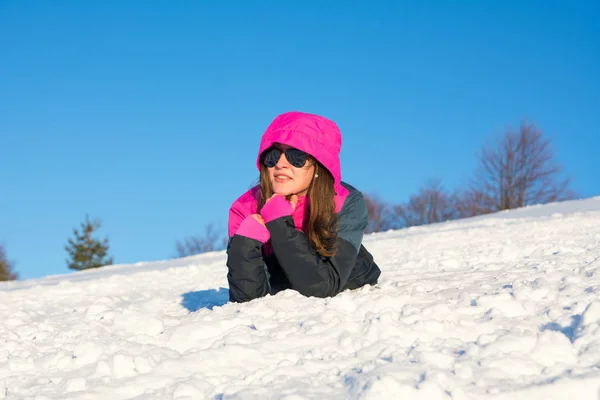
505,306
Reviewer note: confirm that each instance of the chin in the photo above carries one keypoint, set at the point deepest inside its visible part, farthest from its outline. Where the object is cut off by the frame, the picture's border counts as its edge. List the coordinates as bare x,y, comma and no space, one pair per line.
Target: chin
282,190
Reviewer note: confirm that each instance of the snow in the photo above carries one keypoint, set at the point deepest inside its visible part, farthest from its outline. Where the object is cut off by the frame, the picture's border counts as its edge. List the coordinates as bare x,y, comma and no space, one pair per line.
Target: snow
504,306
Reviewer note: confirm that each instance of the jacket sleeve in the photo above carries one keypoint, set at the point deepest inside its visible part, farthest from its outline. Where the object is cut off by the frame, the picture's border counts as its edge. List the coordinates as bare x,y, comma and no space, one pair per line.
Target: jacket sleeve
308,272
247,275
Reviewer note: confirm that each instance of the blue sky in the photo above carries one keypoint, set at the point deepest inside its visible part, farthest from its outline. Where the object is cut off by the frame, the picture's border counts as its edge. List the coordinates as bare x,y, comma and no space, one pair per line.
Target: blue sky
148,114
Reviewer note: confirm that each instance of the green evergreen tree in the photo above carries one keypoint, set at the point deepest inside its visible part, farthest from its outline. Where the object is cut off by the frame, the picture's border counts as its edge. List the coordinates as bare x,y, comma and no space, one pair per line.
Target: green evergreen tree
86,252
6,267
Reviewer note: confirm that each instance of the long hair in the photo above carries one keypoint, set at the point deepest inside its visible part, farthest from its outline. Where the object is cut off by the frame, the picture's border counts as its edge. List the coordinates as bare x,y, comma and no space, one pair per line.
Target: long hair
322,227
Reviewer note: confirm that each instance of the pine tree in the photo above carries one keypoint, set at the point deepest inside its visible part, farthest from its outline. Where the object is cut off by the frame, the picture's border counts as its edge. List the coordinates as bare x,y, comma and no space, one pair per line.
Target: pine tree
86,252
6,267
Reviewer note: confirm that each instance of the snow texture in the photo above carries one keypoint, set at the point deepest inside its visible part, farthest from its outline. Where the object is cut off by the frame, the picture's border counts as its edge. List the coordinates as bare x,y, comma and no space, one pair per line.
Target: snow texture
504,306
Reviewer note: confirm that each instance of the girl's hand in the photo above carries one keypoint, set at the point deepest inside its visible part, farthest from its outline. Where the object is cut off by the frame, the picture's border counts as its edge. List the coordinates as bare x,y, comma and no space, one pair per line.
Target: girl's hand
258,218
293,199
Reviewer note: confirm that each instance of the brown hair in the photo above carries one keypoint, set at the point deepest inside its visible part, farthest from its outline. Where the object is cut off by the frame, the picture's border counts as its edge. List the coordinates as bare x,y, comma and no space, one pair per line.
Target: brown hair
322,224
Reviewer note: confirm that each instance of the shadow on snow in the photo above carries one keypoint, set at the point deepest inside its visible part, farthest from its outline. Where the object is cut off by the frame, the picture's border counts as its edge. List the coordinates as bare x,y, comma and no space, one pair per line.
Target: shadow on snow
193,301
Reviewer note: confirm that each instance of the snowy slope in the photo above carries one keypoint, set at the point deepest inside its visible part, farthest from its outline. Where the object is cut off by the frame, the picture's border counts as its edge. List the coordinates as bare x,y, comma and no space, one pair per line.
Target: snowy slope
505,306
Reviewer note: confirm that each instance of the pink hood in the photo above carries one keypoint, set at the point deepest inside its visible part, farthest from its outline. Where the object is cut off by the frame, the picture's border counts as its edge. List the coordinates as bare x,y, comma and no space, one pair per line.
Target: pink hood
316,135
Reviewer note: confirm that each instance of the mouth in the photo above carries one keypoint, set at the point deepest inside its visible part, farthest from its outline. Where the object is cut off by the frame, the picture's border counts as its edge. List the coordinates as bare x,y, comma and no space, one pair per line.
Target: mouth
282,178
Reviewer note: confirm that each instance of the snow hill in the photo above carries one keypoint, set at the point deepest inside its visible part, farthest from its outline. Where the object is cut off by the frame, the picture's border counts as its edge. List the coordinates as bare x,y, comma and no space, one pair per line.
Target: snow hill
504,306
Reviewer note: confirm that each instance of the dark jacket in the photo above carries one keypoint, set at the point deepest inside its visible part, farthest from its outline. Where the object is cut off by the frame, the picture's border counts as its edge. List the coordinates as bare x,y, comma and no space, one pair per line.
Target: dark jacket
292,264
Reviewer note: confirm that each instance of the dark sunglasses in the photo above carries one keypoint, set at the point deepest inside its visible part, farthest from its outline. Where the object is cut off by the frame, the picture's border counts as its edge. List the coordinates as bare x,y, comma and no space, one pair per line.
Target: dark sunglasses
296,157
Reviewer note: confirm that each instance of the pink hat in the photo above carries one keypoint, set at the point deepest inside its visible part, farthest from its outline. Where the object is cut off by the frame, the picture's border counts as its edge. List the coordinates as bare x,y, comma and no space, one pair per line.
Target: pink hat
316,135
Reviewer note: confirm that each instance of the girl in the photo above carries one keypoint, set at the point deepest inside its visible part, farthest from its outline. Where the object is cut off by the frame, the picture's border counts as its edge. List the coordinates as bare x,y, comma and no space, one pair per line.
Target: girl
301,228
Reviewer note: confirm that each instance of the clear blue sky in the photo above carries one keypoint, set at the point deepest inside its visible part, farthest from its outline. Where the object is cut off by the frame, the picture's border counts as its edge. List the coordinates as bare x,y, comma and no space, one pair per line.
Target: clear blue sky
148,114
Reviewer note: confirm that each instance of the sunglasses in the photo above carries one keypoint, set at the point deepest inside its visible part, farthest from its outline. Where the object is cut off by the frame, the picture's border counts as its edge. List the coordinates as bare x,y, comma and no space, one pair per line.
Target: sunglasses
295,157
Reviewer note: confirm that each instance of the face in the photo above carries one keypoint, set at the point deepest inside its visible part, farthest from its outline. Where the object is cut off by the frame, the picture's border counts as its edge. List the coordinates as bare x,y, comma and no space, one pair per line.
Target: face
287,179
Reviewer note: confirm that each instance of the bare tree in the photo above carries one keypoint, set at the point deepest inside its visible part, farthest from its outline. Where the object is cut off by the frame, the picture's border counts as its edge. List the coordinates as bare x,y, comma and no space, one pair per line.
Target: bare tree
380,214
6,267
432,204
470,203
210,241
519,170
